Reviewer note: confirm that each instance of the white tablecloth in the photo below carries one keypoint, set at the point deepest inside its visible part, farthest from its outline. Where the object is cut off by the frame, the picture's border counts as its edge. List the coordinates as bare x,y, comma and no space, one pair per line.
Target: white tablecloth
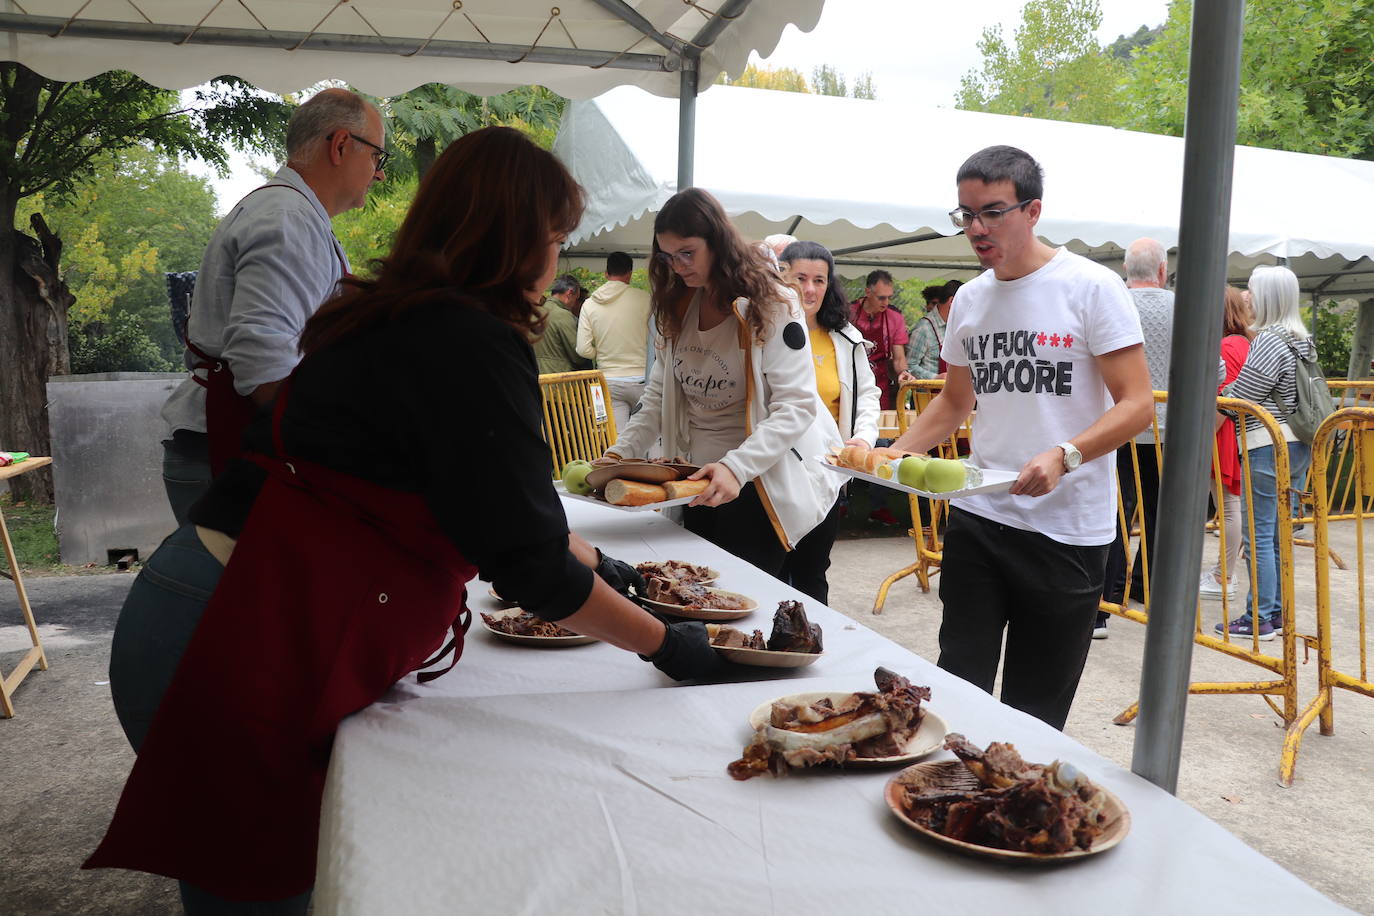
566,781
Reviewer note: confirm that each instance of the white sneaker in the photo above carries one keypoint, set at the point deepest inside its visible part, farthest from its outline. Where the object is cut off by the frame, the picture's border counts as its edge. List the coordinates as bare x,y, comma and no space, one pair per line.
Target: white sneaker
1209,589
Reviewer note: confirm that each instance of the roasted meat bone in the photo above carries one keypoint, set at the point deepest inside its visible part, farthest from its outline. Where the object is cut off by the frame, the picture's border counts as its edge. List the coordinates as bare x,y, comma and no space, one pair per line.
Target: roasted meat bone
825,731
792,632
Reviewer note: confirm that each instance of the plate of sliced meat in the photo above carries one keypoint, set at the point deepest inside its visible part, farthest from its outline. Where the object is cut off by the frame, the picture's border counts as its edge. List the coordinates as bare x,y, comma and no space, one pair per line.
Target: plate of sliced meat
795,642
697,602
676,570
991,803
525,629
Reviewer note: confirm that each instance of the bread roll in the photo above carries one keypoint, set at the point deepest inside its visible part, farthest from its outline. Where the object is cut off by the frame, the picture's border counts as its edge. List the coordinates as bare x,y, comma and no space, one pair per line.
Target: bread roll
873,460
632,493
679,488
854,456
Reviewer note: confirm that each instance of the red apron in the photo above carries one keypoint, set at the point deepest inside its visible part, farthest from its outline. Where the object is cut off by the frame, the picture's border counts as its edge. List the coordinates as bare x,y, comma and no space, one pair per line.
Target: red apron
228,413
336,589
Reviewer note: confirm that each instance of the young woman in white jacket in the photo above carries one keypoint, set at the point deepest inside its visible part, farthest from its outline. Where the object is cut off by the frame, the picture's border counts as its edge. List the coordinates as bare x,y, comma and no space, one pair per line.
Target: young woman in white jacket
733,388
848,391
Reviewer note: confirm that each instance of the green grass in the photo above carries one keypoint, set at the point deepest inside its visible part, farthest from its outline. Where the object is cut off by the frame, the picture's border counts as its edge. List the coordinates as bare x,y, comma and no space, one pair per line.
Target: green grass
32,533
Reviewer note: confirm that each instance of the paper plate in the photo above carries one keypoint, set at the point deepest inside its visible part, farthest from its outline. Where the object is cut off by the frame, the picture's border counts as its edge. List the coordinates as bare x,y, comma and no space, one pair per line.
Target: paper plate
746,607
929,736
954,776
541,642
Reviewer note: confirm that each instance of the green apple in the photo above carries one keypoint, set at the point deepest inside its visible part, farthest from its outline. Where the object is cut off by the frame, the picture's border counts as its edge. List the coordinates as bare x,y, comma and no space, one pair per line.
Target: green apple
911,472
575,476
944,475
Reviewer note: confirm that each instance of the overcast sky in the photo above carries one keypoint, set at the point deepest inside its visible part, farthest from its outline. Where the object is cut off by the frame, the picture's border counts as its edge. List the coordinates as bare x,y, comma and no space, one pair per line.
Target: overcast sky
914,50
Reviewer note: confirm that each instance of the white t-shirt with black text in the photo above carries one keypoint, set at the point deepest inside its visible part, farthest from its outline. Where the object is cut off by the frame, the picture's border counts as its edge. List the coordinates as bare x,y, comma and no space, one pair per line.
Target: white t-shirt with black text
1031,344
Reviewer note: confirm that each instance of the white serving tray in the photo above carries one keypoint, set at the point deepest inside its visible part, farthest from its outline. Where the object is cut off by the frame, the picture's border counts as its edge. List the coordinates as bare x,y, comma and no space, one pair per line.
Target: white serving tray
994,481
680,501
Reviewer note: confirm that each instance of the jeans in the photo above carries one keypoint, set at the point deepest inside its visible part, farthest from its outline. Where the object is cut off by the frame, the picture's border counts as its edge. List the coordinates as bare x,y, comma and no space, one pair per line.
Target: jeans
155,626
625,395
1042,593
185,470
805,567
1263,497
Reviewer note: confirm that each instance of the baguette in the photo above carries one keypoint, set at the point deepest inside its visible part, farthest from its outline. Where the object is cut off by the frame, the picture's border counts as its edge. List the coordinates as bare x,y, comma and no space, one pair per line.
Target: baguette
631,493
853,456
680,488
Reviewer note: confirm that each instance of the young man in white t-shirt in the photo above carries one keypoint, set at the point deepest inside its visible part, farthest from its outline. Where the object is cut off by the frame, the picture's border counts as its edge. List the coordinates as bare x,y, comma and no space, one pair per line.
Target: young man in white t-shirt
1048,345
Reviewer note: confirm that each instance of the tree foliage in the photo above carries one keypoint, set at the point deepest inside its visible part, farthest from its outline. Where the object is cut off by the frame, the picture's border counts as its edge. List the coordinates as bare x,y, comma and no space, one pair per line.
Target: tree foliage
1053,67
55,137
825,80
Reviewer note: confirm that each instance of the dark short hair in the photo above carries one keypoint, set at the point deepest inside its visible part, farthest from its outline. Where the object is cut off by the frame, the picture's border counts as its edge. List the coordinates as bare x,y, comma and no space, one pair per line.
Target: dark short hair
1005,163
618,264
933,293
834,311
877,276
565,283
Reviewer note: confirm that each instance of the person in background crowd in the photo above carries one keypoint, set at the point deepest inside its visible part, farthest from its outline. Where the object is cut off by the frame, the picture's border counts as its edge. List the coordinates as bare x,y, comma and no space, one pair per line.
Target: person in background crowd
845,383
1237,316
556,349
733,388
778,242
613,329
270,264
885,328
1269,378
929,333
410,436
1147,272
1028,564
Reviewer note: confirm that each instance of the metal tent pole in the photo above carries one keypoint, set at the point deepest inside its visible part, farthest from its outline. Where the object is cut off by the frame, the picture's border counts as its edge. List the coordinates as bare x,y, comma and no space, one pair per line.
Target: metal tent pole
686,121
1210,136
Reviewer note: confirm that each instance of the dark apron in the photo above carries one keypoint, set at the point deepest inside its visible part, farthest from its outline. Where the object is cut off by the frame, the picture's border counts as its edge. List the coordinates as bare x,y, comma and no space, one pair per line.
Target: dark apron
336,589
228,413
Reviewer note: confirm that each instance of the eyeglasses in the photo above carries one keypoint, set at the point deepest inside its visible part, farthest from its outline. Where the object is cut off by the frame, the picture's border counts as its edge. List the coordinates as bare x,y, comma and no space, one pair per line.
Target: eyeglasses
681,257
990,217
380,156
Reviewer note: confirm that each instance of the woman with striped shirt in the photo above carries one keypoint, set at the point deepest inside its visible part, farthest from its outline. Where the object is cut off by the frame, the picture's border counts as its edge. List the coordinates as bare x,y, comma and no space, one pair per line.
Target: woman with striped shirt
1269,378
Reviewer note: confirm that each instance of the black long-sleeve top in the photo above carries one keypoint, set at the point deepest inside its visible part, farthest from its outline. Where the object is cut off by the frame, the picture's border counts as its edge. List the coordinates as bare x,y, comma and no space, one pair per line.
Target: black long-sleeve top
443,402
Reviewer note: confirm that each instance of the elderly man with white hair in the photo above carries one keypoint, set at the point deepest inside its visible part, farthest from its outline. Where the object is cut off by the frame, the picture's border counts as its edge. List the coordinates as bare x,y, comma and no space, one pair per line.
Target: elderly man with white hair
1147,272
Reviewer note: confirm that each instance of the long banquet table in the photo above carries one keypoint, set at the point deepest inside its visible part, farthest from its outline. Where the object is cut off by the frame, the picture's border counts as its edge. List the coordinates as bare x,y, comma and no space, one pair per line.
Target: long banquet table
582,780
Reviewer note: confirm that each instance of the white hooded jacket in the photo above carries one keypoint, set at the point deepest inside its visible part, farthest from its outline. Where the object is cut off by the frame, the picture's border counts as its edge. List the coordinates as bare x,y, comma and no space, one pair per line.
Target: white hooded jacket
789,429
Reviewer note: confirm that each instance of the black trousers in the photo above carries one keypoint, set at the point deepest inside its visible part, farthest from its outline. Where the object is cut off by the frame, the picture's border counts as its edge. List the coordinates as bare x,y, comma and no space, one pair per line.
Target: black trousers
805,567
740,527
1042,593
1148,499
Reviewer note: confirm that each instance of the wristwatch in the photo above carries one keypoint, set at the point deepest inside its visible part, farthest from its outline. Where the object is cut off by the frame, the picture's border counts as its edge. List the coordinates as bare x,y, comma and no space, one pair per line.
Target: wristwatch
1072,456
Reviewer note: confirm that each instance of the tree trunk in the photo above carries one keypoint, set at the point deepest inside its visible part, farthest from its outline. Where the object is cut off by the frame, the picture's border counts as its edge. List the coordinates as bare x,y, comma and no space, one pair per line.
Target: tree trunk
33,343
426,152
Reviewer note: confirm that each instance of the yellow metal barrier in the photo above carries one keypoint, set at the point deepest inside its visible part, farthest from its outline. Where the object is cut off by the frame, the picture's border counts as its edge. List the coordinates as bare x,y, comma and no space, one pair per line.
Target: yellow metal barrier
1248,649
571,424
928,516
1332,672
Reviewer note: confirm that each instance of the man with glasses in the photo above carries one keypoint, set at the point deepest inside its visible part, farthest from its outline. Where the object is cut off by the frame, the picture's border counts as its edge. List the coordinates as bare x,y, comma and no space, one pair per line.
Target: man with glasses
272,261
1048,344
885,328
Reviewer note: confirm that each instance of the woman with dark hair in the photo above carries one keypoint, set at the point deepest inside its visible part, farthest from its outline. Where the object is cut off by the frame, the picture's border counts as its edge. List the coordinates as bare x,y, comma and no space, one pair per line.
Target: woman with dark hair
733,389
1235,346
845,382
403,455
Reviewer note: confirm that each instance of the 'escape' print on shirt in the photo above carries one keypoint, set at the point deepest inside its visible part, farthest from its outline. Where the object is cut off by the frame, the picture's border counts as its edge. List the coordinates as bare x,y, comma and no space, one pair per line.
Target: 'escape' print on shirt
1008,361
708,389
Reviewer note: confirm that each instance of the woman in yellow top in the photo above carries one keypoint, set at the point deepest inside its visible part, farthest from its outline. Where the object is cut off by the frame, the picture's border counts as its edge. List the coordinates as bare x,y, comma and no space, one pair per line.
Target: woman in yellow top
846,385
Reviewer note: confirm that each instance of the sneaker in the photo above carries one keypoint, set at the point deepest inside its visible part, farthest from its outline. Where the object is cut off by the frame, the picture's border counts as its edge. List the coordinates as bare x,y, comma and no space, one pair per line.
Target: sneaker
1209,589
1100,627
1244,626
883,516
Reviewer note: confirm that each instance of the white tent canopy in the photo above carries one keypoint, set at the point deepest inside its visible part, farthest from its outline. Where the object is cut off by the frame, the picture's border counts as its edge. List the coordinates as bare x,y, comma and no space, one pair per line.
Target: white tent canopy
874,182
577,48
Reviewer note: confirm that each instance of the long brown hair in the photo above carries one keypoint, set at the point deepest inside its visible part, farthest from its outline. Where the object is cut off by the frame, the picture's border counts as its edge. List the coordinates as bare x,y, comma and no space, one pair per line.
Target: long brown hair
1235,318
737,267
479,228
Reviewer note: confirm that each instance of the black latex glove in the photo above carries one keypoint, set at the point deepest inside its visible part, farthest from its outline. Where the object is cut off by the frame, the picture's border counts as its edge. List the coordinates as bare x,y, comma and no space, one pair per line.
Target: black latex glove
686,653
619,576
